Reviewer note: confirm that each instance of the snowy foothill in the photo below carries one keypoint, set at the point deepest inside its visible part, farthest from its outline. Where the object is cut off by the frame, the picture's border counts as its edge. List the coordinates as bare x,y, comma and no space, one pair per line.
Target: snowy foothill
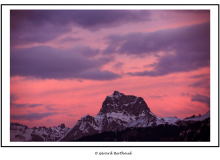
201,118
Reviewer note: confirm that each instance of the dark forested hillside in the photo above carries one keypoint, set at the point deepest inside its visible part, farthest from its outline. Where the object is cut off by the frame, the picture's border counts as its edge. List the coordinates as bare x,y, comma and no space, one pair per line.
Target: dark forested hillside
185,131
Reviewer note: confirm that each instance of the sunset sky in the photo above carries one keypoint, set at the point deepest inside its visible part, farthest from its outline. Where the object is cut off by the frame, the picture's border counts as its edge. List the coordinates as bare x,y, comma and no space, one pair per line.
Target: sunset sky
63,63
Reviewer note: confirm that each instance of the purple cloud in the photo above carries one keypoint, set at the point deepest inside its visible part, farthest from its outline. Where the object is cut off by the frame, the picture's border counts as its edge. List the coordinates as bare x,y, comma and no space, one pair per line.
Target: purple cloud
82,106
201,98
191,47
194,38
203,83
18,105
149,65
185,94
90,19
167,14
44,25
50,108
49,120
86,51
70,39
118,65
110,49
32,116
27,33
200,76
158,97
35,105
50,63
13,98
191,11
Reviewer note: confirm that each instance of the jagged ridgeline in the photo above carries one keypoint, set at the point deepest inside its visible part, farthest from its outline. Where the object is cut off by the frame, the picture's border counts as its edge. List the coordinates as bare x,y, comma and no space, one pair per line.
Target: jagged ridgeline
121,113
190,131
19,132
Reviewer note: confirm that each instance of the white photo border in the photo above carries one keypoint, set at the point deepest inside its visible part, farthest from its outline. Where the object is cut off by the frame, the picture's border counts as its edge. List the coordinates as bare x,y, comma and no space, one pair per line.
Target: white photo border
214,77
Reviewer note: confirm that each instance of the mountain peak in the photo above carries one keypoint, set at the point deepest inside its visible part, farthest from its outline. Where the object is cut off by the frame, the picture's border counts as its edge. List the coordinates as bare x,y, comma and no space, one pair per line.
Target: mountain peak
86,116
120,103
116,93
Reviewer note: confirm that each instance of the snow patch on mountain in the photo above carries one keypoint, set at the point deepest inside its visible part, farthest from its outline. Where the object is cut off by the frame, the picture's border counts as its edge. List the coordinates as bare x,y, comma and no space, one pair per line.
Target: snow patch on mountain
201,118
19,132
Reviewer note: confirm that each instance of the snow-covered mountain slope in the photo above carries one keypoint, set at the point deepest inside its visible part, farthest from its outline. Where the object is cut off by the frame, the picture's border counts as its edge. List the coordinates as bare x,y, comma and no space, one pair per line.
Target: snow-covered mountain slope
19,132
144,122
199,118
117,111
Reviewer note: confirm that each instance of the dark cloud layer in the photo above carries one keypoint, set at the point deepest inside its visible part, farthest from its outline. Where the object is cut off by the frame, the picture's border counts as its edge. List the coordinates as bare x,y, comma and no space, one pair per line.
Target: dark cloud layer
90,19
193,38
13,98
50,63
50,108
86,51
82,106
191,11
185,94
35,105
43,25
32,116
190,44
202,99
27,34
118,65
17,105
203,83
158,97
200,76
70,39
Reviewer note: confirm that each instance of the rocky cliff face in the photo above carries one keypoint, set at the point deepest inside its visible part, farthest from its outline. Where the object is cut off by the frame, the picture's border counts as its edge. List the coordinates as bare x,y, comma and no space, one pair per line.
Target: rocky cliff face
118,112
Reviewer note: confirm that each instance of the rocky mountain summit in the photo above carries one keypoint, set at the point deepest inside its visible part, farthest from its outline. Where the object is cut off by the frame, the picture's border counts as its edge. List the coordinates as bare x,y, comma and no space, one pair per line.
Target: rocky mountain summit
118,112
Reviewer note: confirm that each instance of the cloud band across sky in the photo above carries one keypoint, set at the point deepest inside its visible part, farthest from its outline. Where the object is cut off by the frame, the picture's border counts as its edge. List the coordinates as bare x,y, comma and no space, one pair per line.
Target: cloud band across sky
25,24
50,63
32,116
187,48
